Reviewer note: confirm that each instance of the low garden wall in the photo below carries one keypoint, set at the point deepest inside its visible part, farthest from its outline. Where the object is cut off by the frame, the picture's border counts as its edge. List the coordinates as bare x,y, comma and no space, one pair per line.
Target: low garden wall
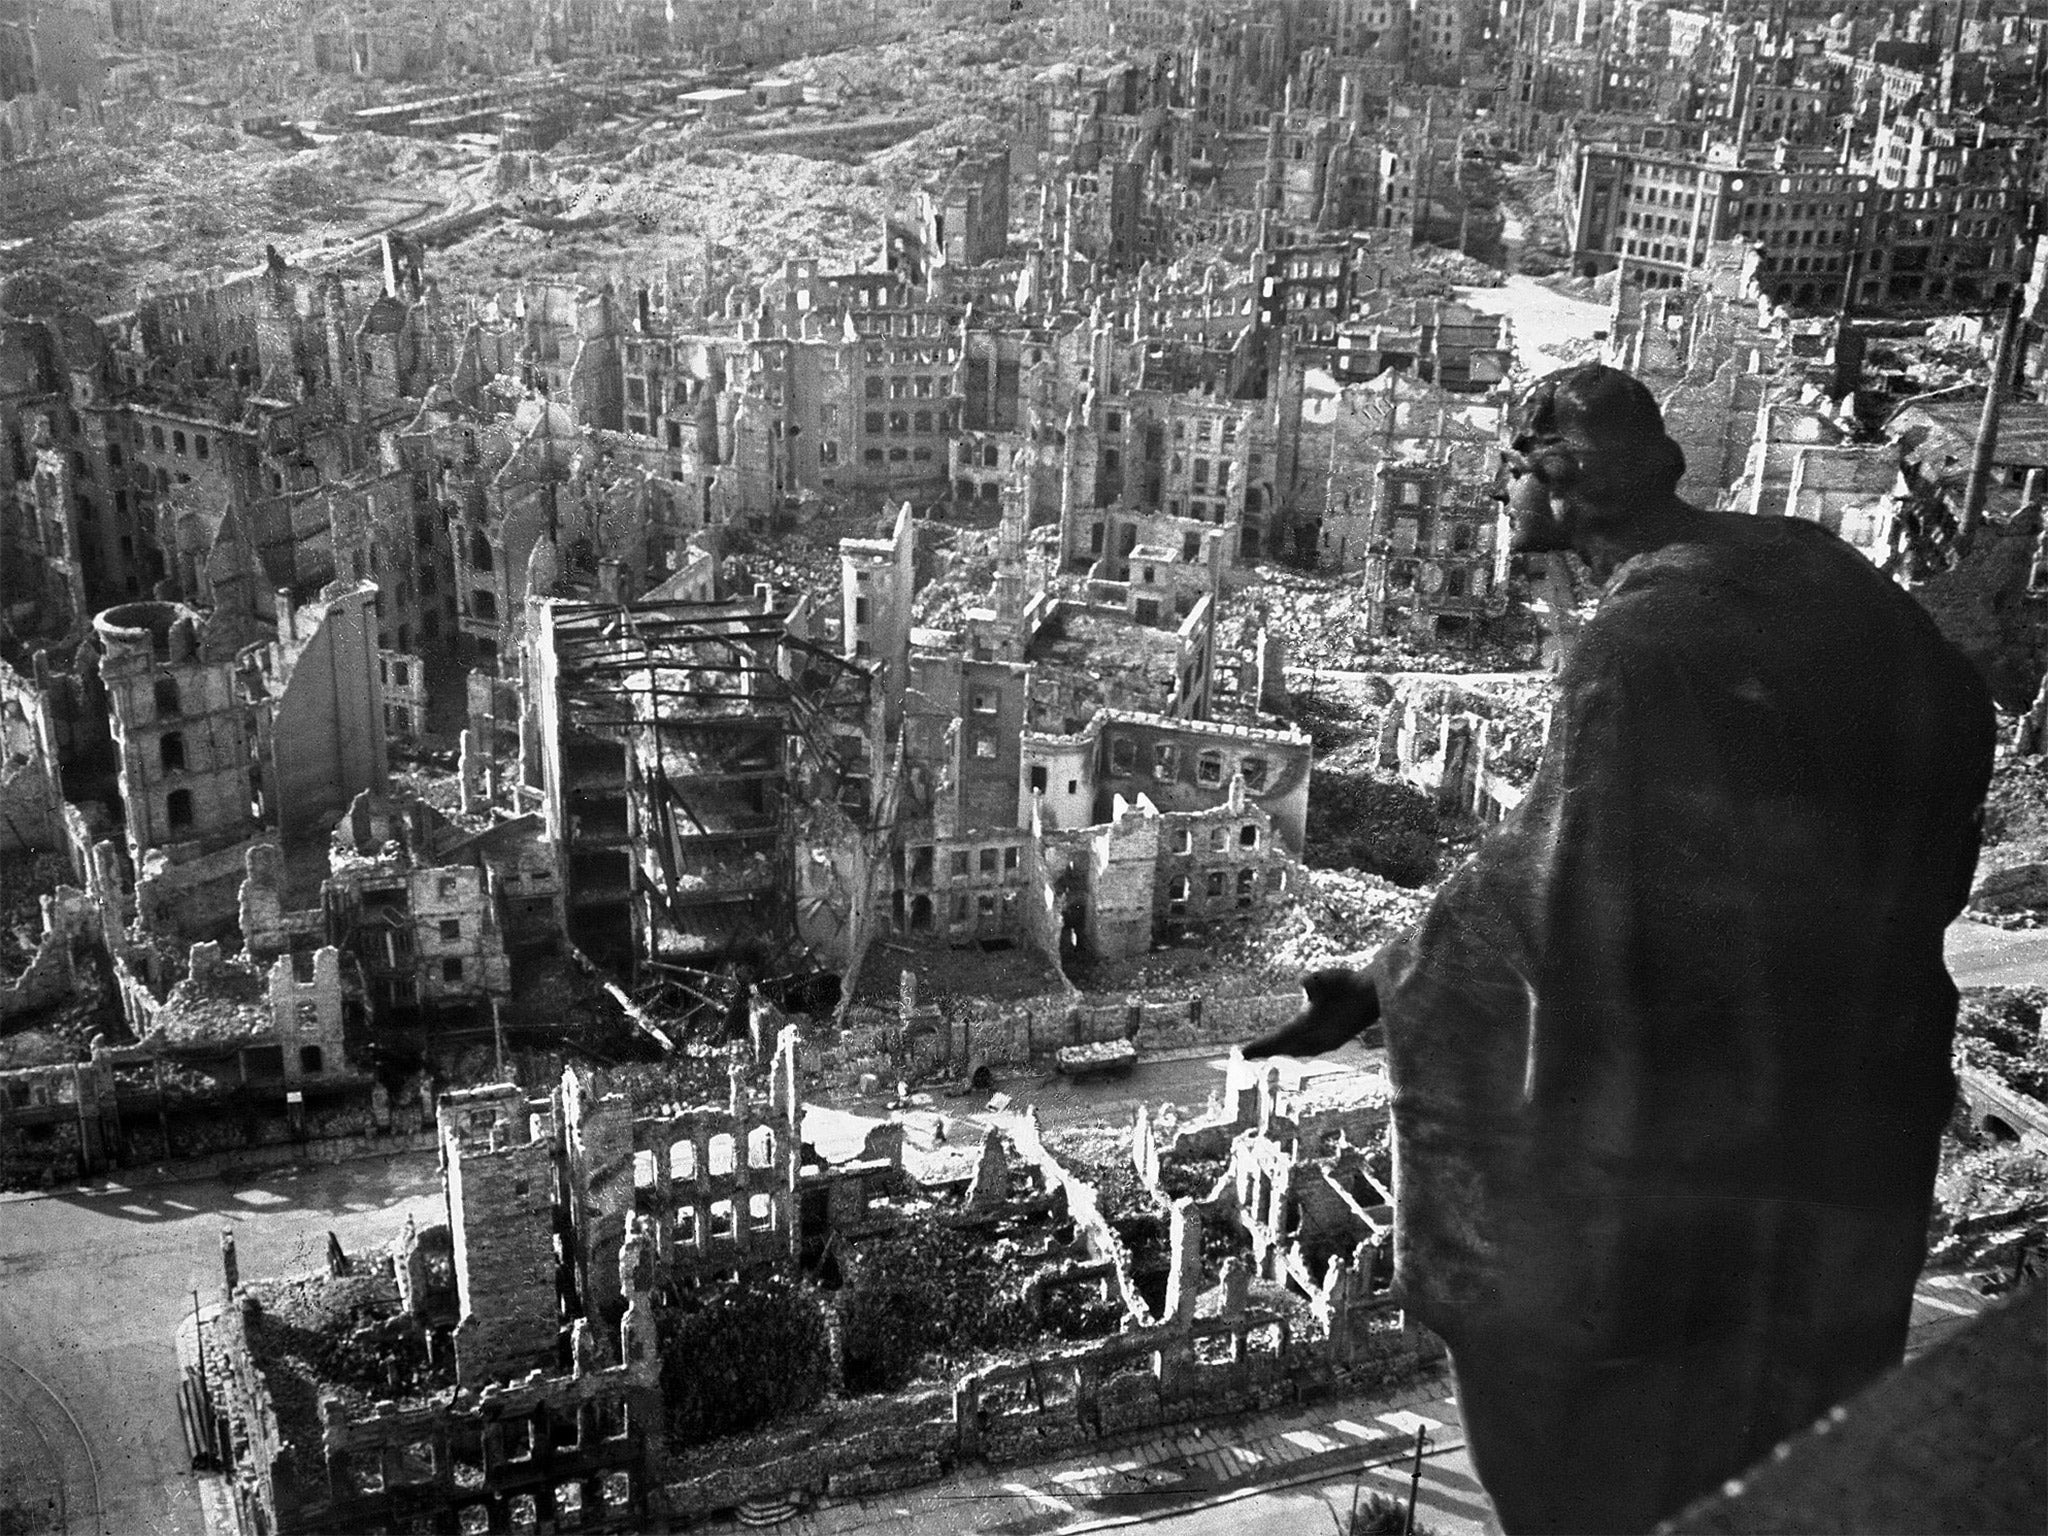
1104,1391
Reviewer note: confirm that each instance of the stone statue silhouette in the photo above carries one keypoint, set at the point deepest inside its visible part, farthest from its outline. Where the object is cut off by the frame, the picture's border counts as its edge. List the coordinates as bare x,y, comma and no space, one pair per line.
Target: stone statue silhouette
1670,1054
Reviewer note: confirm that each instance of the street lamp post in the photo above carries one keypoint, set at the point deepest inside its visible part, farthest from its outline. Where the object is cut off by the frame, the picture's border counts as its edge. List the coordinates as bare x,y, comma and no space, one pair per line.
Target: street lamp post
1415,1479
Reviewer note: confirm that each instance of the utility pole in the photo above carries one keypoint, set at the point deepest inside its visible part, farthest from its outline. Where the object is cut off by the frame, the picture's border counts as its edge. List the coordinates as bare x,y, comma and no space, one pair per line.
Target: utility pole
1415,1479
1977,488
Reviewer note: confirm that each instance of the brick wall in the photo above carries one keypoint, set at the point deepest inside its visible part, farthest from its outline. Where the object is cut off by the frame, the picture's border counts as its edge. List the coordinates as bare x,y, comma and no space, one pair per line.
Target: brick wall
501,1210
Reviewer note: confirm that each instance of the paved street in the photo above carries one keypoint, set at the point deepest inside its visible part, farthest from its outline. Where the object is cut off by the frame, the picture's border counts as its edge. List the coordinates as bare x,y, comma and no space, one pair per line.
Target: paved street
94,1287
1448,1502
1981,956
1978,956
1187,1082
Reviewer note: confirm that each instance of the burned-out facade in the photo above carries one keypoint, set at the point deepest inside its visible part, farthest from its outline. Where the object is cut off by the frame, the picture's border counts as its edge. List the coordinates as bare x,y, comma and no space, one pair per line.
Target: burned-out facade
523,1352
679,743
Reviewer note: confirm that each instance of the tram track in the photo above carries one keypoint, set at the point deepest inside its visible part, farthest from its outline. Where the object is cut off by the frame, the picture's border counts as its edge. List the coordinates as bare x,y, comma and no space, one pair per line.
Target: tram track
29,1404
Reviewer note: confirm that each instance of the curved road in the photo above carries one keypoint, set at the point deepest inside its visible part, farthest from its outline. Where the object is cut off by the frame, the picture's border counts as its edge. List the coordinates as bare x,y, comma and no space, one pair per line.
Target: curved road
93,1285
47,1470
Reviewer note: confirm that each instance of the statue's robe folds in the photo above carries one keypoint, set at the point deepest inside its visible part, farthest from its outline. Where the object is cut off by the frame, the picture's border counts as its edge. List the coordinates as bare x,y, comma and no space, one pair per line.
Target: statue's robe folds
1670,1055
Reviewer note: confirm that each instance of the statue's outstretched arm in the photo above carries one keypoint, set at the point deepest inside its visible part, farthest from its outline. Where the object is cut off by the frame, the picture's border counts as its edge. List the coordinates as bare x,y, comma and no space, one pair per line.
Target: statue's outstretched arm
1342,1004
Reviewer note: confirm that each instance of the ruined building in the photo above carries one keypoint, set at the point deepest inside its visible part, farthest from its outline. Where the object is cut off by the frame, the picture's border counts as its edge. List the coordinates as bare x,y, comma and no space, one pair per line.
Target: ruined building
682,750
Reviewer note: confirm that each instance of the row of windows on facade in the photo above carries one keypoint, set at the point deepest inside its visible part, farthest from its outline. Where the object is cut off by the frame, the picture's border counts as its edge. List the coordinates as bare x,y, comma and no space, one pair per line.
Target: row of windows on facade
1216,888
828,453
685,391
962,862
639,426
902,423
1190,543
572,1503
200,446
1207,429
718,1223
900,386
1166,759
720,1153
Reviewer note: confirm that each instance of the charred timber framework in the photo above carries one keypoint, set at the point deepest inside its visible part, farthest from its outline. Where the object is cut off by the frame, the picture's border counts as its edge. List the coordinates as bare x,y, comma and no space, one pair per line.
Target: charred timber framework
679,742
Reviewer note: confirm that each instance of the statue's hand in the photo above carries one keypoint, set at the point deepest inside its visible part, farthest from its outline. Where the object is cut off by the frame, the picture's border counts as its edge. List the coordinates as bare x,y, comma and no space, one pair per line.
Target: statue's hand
1341,1005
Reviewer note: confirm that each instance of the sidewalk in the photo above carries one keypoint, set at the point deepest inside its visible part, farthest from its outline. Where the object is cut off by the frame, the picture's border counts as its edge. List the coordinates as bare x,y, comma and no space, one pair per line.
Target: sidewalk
216,1503
1175,1470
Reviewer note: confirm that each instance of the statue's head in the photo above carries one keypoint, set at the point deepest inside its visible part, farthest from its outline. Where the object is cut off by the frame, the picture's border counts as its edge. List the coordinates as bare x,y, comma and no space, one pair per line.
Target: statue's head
1589,449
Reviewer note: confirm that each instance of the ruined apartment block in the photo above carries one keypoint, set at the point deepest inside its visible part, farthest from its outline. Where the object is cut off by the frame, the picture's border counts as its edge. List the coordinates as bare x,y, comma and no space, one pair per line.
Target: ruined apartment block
681,746
521,1348
421,919
185,762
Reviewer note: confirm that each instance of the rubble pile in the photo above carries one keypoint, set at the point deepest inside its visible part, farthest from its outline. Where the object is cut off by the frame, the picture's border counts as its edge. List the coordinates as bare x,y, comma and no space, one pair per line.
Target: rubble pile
1359,821
1456,269
969,135
801,560
1990,1202
929,1299
1514,710
960,73
1322,620
1991,1198
961,576
739,1354
24,880
2011,886
1343,915
2016,812
1192,1178
158,198
747,210
2000,1030
1339,917
308,1336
